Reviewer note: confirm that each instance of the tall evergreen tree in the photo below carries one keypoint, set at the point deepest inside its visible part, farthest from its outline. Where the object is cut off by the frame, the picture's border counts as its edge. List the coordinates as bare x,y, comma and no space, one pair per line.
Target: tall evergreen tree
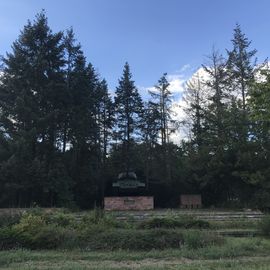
33,97
195,98
258,161
104,117
162,100
128,110
84,164
72,52
241,65
241,69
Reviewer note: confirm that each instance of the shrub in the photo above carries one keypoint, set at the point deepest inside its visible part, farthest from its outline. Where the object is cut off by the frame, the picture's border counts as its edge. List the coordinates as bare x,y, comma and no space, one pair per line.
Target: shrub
173,222
9,219
100,220
61,219
199,239
133,239
264,225
9,238
31,232
30,223
148,239
98,231
262,200
48,237
35,233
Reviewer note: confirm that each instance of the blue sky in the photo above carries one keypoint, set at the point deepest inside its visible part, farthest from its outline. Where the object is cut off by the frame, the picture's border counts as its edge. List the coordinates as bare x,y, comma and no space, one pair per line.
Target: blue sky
154,36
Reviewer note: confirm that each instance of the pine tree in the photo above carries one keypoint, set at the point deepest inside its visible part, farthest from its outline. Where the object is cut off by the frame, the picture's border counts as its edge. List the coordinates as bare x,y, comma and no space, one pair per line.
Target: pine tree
215,114
33,97
104,117
150,137
241,65
162,100
72,52
258,161
195,97
85,159
241,69
128,111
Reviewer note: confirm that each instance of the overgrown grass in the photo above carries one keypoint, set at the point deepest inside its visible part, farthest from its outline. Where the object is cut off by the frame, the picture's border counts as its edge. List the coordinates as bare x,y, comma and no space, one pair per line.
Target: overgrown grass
96,231
245,253
235,224
9,219
264,226
187,222
97,240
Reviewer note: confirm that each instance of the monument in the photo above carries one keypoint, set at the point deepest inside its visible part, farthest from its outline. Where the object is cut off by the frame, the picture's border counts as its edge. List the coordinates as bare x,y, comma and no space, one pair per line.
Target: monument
128,189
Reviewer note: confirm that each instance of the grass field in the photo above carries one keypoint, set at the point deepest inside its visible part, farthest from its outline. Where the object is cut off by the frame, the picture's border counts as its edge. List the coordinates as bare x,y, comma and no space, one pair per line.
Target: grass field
162,240
236,253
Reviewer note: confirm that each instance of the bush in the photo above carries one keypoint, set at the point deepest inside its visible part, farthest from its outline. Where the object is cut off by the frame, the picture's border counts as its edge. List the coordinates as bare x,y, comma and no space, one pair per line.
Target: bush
100,220
148,239
30,223
9,219
262,200
9,238
132,239
98,231
264,225
48,237
186,222
61,219
199,239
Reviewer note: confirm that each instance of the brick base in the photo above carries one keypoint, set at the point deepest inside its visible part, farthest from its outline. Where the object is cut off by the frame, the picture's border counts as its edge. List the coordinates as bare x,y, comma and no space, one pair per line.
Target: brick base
129,203
191,201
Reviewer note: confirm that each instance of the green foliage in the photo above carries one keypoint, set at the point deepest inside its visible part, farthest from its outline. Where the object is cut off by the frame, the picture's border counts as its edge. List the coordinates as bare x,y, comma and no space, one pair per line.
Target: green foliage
30,223
186,222
198,239
136,240
63,139
61,219
96,231
99,220
147,239
264,225
236,253
9,219
128,111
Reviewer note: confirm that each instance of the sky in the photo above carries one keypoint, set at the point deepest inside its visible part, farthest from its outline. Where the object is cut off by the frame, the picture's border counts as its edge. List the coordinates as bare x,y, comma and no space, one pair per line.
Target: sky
154,36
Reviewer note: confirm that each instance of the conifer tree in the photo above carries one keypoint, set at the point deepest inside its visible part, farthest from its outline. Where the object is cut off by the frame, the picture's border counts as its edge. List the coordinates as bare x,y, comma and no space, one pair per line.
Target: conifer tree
128,111
33,97
241,65
162,100
104,116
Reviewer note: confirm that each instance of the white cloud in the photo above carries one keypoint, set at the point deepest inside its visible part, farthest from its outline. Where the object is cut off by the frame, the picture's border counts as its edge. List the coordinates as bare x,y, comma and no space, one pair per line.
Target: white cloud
185,68
177,82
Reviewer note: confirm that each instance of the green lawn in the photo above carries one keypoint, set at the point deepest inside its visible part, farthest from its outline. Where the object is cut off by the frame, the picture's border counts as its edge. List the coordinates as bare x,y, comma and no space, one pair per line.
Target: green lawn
236,253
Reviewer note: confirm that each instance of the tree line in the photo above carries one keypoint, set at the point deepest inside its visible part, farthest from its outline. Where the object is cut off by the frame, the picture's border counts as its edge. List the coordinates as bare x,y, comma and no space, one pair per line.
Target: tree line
64,139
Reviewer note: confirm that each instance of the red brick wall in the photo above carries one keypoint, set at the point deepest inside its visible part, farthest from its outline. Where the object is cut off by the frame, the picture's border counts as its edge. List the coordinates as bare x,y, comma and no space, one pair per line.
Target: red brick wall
129,203
194,201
